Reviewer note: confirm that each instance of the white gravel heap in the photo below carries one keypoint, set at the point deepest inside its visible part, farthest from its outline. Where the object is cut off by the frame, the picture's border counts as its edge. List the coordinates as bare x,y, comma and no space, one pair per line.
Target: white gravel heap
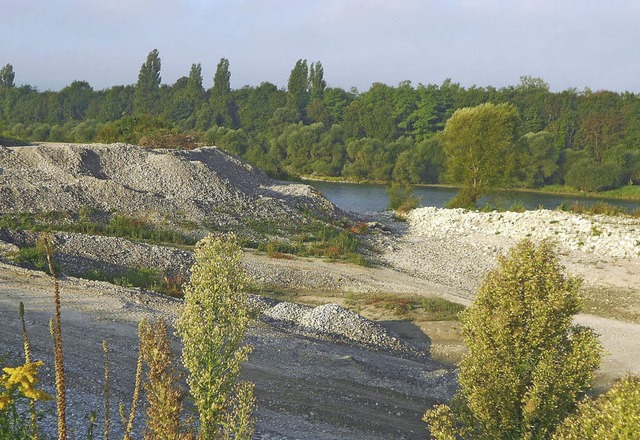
205,185
598,234
335,320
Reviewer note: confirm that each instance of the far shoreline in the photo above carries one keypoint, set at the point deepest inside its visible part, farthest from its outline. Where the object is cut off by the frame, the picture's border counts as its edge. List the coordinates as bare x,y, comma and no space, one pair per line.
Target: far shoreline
564,191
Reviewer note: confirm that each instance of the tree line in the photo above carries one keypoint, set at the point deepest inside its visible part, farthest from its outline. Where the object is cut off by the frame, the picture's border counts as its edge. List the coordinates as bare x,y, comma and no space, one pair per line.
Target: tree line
585,139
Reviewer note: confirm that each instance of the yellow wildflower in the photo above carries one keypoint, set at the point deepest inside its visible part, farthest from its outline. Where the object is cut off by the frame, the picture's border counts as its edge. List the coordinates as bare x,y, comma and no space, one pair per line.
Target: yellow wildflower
5,401
25,377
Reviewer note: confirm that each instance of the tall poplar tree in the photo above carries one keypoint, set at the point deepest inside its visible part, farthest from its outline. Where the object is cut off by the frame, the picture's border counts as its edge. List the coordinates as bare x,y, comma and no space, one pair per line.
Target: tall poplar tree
194,85
6,77
298,89
317,84
147,92
221,103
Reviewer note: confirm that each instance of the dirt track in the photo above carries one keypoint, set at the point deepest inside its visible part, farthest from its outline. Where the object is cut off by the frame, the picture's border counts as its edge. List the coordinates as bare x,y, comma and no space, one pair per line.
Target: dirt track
306,388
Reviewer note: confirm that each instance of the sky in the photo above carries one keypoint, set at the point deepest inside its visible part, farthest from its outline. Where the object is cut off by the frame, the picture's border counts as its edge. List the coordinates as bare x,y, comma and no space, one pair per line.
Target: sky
568,43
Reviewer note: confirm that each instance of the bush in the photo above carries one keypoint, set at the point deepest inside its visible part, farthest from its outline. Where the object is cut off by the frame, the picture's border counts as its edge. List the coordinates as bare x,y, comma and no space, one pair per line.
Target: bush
615,415
212,328
527,365
401,198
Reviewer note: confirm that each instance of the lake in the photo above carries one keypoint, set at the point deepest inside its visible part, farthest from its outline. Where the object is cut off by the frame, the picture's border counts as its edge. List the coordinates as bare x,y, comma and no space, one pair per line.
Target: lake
365,197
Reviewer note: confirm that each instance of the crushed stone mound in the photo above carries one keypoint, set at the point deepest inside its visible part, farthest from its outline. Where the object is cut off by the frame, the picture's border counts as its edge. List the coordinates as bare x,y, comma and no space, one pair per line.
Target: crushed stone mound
597,234
204,185
334,320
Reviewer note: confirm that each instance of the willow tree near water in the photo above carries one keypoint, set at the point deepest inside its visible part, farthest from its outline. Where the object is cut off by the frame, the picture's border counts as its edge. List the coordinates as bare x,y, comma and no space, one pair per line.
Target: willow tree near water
527,364
479,143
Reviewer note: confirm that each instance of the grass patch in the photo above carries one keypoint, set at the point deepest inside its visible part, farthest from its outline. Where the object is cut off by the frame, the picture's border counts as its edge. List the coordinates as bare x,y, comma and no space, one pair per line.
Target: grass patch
401,306
627,192
32,258
95,223
336,242
144,278
597,208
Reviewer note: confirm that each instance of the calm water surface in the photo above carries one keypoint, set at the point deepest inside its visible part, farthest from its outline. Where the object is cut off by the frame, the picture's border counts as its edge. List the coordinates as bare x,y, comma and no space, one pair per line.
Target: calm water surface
365,197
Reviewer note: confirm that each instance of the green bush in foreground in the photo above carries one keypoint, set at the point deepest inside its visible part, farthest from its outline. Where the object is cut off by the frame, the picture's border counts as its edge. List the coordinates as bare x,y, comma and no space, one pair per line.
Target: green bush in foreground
527,364
615,415
212,327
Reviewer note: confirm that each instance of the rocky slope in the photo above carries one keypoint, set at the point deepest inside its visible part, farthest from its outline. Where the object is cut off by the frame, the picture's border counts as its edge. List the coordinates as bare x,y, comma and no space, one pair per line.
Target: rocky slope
206,186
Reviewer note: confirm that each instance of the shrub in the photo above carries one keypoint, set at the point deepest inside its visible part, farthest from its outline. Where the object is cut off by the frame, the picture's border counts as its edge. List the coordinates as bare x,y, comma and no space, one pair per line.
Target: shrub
527,365
614,415
401,198
212,326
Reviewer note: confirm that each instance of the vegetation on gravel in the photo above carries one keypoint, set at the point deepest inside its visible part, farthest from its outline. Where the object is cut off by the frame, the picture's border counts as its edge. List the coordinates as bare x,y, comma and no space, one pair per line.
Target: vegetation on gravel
88,221
212,328
527,365
615,415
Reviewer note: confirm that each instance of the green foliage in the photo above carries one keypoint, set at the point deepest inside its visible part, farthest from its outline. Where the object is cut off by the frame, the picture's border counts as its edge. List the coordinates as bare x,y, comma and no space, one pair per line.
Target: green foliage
614,415
89,222
587,175
222,104
298,89
7,76
571,134
212,327
31,257
401,198
527,364
480,146
147,92
420,307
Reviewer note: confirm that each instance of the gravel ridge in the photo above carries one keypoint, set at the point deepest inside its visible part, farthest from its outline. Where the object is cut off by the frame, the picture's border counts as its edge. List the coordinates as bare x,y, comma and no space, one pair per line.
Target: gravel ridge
205,185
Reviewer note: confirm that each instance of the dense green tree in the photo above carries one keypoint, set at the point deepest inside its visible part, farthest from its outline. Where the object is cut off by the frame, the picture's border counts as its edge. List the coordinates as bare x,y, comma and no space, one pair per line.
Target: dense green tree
600,124
423,163
372,115
615,415
527,365
298,89
541,156
317,84
76,99
480,146
222,103
586,174
405,105
328,155
195,91
368,159
256,106
7,75
336,100
147,94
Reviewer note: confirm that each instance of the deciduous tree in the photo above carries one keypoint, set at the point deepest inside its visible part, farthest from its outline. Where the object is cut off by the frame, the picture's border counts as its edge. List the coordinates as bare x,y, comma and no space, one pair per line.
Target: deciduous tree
147,91
7,76
527,364
479,144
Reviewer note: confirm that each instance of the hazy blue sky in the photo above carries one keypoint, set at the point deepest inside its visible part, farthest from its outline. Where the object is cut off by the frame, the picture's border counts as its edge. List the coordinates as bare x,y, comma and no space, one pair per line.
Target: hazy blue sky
569,43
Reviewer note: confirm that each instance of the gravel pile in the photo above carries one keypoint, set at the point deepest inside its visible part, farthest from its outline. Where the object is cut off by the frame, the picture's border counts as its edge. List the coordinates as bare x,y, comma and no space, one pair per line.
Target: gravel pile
206,185
337,322
597,234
